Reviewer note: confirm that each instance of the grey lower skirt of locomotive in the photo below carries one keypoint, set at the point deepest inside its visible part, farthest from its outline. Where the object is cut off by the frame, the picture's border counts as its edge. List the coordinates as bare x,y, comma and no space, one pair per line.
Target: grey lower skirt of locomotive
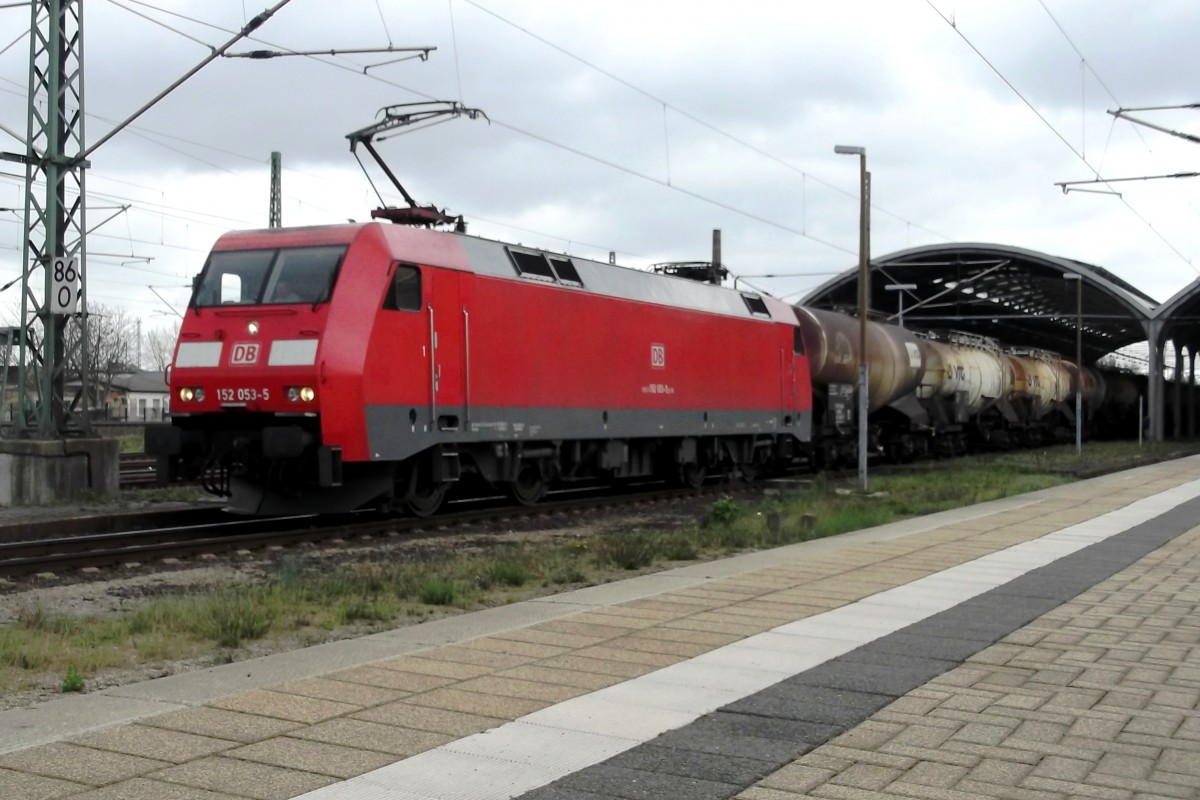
266,465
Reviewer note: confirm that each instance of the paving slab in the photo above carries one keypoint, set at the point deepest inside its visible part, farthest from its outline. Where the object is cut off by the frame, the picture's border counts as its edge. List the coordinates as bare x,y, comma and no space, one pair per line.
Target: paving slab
221,724
366,735
71,762
155,743
145,789
243,778
14,783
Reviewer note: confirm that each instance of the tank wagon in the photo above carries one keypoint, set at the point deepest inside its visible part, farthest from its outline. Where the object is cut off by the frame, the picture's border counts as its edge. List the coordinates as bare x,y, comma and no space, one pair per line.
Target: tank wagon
946,393
333,368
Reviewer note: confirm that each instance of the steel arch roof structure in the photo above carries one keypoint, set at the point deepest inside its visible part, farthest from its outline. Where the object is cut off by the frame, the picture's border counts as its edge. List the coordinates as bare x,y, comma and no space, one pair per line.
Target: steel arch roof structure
1019,297
1179,317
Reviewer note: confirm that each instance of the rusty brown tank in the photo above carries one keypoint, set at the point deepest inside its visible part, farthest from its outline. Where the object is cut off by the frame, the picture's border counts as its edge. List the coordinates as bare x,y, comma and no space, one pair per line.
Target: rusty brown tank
895,364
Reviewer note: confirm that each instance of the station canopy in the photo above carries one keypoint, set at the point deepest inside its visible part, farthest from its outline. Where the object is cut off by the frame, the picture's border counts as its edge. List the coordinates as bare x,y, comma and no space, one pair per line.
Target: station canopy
1020,298
1180,316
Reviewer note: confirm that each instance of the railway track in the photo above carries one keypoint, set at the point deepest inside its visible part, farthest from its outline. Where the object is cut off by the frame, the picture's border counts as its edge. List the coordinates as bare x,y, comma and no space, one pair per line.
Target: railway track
137,470
229,534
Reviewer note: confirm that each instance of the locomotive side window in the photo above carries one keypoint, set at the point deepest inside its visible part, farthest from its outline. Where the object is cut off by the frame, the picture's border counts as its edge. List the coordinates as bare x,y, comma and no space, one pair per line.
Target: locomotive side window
405,292
565,270
531,264
756,305
231,288
797,341
539,266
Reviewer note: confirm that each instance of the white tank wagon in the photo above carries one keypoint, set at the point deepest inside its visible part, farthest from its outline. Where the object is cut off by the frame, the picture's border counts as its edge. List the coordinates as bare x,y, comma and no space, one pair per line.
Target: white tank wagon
1049,379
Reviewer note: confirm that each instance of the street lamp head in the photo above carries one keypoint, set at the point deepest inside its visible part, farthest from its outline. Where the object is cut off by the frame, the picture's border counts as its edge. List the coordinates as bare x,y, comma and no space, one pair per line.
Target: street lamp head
849,150
1071,276
900,287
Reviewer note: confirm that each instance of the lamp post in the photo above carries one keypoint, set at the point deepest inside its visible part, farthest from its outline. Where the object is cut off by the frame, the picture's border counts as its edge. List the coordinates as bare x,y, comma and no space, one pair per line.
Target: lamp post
1078,359
864,298
901,288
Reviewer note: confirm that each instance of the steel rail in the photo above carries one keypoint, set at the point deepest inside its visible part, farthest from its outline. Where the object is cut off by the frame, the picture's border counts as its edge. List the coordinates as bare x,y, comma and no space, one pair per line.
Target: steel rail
228,536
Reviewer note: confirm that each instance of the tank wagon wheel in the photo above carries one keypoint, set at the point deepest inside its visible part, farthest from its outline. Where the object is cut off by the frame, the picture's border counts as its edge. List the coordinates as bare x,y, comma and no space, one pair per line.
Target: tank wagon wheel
426,500
529,487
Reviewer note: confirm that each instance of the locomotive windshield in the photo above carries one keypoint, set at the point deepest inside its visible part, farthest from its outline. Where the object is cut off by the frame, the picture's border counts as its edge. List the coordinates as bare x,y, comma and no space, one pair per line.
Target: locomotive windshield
257,277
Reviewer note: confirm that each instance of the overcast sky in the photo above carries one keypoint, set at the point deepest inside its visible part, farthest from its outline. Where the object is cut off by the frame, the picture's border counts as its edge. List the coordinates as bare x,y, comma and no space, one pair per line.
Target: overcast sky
638,127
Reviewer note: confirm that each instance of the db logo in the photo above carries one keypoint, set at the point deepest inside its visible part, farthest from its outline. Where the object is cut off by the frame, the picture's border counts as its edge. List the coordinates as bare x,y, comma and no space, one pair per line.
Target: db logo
244,353
658,356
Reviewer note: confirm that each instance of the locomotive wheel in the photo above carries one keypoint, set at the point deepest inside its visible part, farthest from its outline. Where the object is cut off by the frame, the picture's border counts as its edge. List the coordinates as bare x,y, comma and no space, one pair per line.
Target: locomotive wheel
529,487
692,475
426,500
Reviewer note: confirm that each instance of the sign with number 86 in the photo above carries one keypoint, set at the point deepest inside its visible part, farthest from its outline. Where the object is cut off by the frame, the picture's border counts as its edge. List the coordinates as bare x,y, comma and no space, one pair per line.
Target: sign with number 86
64,286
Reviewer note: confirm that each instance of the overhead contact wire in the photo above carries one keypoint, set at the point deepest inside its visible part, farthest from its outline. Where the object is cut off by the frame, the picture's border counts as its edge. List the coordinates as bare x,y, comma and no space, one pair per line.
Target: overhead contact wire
1057,133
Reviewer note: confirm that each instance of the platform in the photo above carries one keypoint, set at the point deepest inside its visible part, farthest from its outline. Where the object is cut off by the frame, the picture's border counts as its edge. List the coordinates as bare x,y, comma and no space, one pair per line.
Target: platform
1041,646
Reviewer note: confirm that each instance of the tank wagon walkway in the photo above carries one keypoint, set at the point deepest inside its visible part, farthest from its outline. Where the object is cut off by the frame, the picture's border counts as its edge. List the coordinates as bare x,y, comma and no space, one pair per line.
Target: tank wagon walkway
1042,646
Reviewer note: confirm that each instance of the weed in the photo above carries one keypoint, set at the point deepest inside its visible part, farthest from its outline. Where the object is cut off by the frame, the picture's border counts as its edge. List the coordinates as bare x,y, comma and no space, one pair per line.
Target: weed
632,550
37,618
234,616
680,546
723,511
73,680
509,573
741,532
404,581
363,609
560,565
437,593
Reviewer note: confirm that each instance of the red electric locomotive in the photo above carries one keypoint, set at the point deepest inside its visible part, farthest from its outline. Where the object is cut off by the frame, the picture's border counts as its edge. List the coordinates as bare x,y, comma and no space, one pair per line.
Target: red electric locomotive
373,365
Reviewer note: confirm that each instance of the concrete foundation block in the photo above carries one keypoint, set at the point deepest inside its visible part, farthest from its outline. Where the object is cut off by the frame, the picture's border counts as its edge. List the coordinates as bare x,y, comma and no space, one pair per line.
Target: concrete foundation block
37,471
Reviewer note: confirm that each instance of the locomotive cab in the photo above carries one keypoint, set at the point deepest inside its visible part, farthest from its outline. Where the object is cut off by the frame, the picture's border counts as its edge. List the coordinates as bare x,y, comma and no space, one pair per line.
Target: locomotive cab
248,356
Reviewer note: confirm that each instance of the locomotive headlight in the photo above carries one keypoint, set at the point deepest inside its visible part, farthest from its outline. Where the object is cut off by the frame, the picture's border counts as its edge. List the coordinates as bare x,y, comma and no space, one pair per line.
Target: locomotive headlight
301,394
252,328
186,394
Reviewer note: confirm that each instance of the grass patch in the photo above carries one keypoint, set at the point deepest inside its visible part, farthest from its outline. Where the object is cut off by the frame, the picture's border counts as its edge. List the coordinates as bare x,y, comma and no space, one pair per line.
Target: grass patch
73,680
305,602
437,593
509,573
237,615
131,443
628,551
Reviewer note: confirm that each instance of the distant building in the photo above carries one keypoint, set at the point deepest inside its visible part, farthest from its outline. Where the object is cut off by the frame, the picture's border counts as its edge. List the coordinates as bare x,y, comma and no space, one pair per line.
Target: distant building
141,396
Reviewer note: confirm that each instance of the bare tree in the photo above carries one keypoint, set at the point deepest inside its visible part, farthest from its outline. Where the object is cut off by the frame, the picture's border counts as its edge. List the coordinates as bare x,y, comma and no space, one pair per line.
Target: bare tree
112,349
159,346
